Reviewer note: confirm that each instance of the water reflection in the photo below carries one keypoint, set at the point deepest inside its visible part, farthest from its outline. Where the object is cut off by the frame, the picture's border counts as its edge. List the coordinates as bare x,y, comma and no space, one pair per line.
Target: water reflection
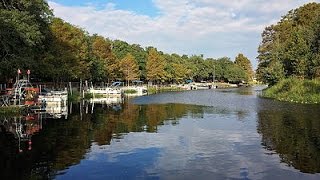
16,145
106,100
21,129
292,131
57,110
215,139
55,107
60,143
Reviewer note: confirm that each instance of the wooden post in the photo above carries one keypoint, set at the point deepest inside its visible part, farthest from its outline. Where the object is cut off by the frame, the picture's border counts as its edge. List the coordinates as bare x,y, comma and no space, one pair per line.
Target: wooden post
70,86
70,108
81,107
80,90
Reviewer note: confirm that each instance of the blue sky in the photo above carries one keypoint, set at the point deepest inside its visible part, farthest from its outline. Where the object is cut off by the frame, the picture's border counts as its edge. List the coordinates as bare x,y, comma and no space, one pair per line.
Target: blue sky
214,28
139,6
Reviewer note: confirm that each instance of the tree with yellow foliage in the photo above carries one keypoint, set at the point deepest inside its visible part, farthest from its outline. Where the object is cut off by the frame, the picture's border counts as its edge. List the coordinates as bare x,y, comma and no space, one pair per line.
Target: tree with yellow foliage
155,66
129,67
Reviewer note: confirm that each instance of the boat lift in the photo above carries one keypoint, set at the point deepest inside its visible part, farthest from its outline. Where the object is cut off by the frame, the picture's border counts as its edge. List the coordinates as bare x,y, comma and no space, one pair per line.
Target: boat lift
19,90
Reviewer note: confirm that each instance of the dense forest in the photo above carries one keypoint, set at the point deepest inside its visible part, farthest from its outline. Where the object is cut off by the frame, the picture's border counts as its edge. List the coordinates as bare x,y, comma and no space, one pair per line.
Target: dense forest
55,50
291,48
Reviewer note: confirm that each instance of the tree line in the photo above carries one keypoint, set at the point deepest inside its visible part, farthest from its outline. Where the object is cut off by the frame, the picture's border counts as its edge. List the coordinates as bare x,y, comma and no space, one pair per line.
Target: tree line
55,50
291,48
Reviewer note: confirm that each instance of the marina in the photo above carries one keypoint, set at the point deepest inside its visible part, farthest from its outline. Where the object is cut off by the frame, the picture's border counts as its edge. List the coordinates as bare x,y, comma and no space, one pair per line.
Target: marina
179,90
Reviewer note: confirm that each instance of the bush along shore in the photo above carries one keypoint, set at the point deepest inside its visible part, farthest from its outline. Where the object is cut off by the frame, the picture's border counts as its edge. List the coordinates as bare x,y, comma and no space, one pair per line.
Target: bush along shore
295,90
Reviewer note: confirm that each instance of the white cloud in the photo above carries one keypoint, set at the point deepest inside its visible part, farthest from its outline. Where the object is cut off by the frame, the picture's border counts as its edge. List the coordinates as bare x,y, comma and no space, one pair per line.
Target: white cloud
185,26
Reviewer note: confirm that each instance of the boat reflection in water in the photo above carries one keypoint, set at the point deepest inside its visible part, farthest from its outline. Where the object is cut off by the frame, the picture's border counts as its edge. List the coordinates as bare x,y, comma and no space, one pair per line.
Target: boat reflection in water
89,106
106,100
21,129
57,109
55,104
49,139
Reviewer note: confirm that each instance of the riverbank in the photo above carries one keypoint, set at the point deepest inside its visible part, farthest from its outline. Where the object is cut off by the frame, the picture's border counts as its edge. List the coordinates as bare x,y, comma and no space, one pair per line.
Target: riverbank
159,89
156,89
295,90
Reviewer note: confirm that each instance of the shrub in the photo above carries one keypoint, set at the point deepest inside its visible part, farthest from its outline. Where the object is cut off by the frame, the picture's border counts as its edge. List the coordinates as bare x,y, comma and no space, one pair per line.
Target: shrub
295,90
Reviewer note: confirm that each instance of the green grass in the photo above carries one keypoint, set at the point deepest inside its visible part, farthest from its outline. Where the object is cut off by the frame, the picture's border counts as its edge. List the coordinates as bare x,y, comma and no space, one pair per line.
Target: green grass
295,90
11,110
154,90
130,91
76,96
90,95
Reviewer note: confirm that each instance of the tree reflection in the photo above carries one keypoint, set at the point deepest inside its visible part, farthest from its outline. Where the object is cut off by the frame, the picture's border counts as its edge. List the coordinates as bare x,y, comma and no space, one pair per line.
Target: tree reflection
294,133
110,124
61,143
16,144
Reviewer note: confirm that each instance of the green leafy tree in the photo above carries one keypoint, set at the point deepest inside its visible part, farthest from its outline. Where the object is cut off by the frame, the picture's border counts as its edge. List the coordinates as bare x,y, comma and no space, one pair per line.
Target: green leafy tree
211,65
198,67
274,73
234,74
101,58
68,53
245,64
265,52
291,45
121,49
296,55
24,26
169,69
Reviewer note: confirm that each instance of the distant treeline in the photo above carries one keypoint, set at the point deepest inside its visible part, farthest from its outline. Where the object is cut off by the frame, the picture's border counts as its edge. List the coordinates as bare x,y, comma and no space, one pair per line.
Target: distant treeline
54,50
291,48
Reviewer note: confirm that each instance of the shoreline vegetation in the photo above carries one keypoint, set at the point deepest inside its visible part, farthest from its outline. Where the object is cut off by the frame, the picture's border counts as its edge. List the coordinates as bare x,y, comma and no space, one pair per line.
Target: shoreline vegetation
295,90
289,57
53,50
76,96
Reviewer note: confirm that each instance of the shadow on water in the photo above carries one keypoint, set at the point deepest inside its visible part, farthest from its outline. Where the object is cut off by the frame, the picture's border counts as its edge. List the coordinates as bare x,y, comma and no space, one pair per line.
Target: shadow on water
293,132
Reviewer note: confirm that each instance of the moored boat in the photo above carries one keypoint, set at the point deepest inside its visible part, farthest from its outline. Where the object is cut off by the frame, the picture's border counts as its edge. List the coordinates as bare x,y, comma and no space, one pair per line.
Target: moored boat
113,91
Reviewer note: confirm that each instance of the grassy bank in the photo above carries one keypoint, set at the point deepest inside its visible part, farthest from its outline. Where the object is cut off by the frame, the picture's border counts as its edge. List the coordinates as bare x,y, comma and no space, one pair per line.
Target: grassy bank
154,90
295,90
130,91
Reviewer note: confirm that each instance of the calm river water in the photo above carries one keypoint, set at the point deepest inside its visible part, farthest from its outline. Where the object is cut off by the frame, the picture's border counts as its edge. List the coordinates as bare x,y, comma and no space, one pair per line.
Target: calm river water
204,134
